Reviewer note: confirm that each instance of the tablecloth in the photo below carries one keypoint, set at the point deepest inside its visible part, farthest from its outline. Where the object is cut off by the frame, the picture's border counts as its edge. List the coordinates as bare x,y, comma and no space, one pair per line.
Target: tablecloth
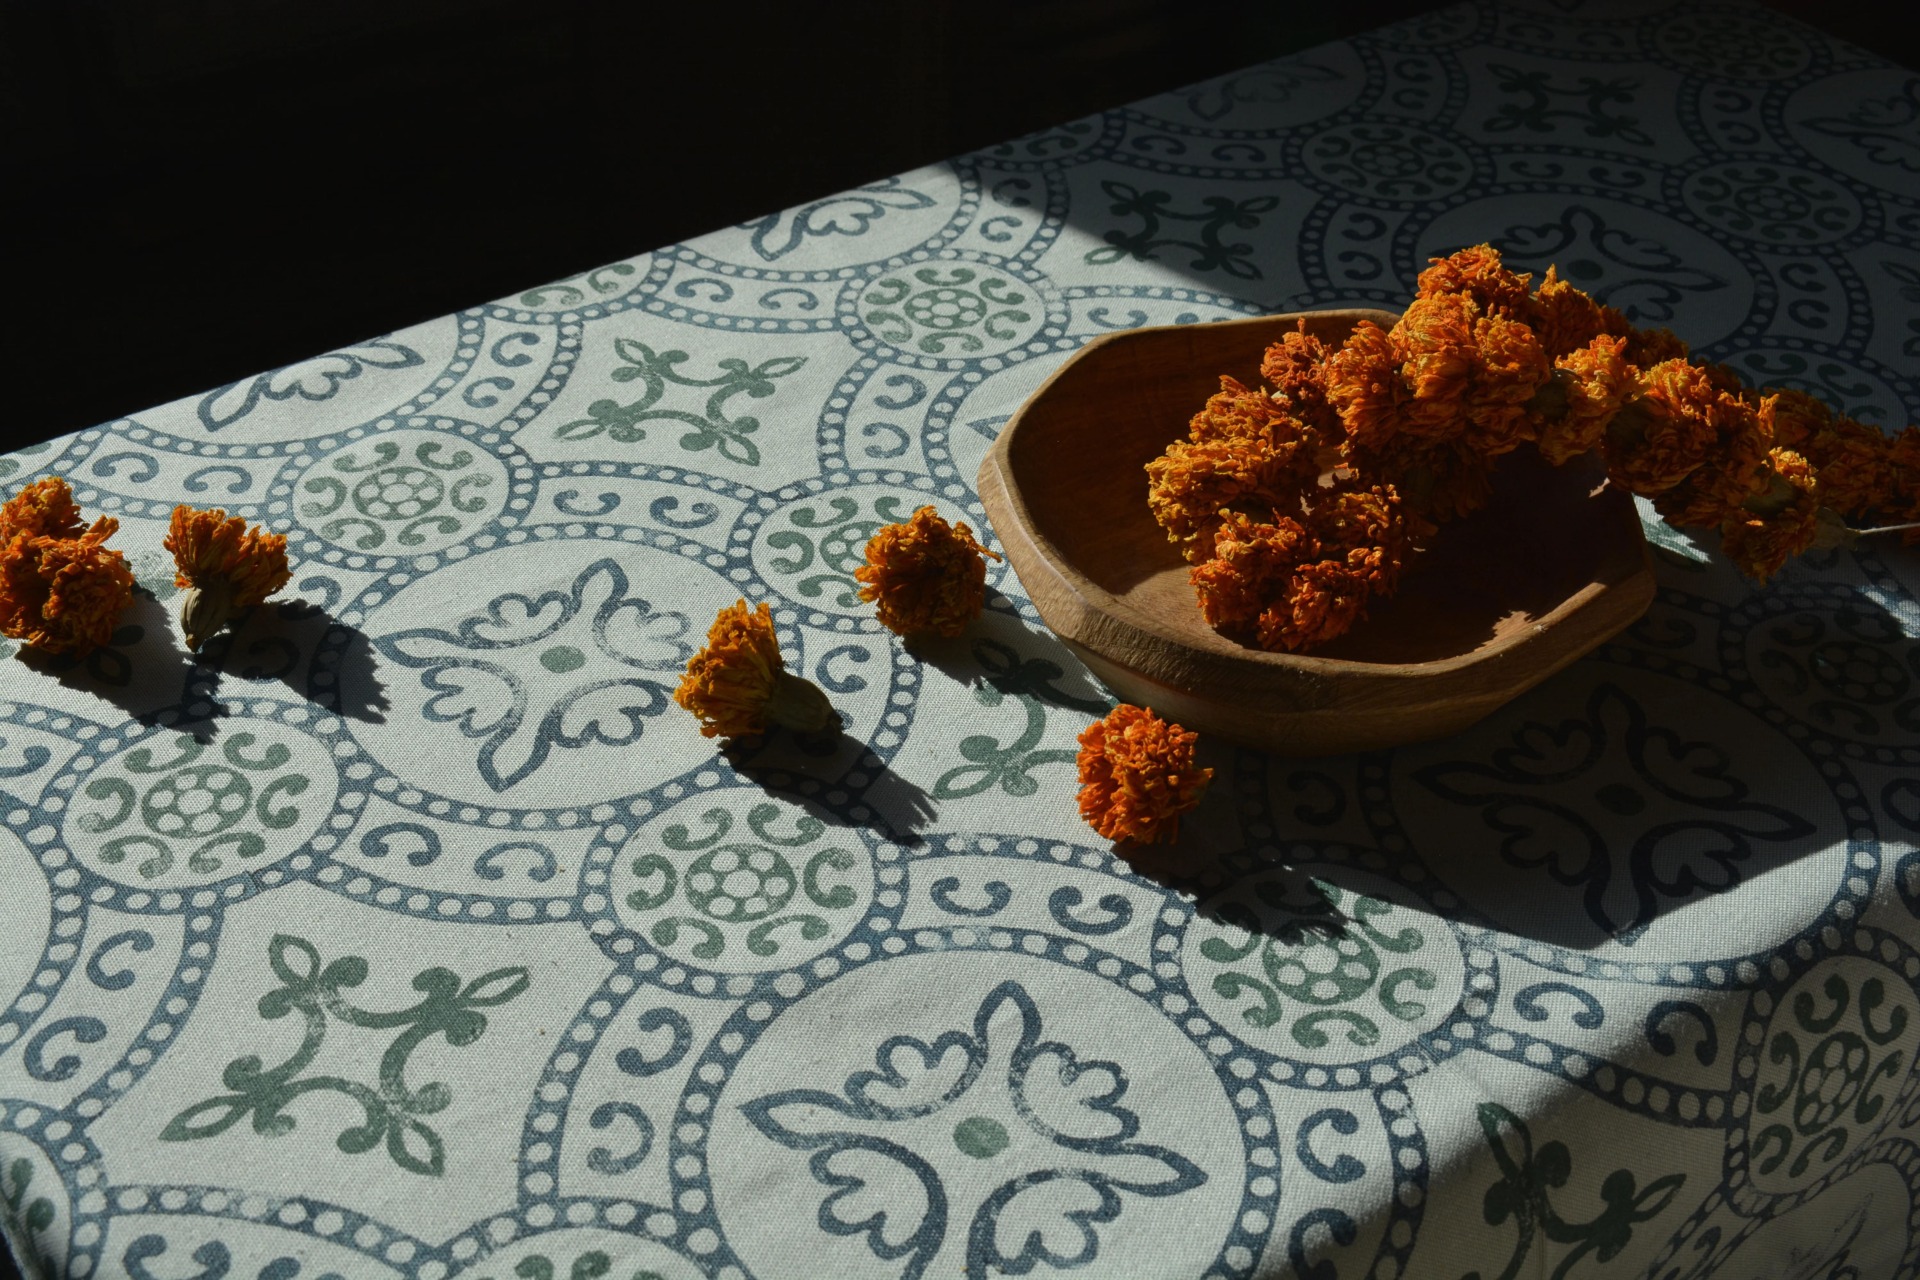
410,930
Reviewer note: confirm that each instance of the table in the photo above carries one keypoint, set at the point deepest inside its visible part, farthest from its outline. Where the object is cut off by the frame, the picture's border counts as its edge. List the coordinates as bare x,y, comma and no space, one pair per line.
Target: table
410,930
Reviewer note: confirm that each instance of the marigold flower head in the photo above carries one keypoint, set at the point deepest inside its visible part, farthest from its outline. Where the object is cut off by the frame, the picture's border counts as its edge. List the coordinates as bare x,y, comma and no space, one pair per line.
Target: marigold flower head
1192,484
1777,524
1297,367
1323,601
1593,382
1479,274
1240,412
926,575
1253,563
1677,422
1860,477
739,684
61,589
1364,386
225,566
1137,776
1566,318
44,508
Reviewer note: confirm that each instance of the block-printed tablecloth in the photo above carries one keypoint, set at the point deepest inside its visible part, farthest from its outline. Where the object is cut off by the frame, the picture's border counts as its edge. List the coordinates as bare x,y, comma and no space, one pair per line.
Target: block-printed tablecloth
411,931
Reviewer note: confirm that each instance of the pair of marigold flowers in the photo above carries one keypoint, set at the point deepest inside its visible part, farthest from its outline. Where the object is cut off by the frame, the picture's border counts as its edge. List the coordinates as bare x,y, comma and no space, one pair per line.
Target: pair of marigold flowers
1411,419
62,590
927,577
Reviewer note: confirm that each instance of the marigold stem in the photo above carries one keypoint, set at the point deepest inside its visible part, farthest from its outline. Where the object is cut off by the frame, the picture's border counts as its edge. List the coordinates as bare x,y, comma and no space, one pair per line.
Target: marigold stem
204,609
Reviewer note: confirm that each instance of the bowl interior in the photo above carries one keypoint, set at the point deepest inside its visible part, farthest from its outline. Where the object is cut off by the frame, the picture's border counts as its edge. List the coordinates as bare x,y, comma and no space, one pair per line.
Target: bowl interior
1078,453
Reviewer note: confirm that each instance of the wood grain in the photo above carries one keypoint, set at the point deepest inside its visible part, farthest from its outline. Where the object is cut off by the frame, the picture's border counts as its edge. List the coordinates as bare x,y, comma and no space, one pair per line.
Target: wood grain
1553,567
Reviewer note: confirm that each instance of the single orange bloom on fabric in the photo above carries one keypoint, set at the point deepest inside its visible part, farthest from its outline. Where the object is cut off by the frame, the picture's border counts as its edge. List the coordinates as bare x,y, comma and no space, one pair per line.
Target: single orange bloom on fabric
61,589
925,575
1137,776
226,567
739,683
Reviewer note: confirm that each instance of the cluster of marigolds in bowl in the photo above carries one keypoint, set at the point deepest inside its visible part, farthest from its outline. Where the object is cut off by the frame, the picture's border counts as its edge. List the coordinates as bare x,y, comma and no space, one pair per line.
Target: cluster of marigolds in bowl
1299,501
62,591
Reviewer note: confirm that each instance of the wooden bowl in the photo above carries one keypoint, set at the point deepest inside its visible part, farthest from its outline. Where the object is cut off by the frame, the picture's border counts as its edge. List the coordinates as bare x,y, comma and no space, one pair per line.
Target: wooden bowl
1553,566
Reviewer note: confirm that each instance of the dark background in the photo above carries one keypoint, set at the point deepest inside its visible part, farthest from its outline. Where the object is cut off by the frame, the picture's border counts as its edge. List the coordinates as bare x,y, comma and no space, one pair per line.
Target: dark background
211,188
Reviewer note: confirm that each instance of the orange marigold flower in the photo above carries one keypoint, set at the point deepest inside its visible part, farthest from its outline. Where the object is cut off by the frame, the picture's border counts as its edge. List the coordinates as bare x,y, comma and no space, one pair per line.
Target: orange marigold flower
1364,386
1297,367
739,684
1323,601
1594,382
1798,417
1240,412
225,566
1192,483
926,575
1566,318
1479,274
1673,426
61,589
1779,522
1859,477
1296,584
1137,776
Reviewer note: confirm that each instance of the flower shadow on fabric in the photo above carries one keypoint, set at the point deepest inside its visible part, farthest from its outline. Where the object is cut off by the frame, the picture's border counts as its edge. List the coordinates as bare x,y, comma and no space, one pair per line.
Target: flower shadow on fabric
282,641
140,670
1599,824
898,809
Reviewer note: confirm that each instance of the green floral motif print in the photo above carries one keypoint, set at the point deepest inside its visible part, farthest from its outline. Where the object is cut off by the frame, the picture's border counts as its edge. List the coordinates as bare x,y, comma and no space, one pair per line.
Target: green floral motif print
564,293
25,1218
1328,954
945,312
590,1265
742,883
431,496
1029,683
392,1109
708,429
1523,1192
196,804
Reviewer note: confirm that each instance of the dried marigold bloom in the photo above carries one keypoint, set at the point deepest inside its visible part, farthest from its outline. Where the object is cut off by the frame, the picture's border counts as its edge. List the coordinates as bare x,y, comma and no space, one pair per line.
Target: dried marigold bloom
1363,527
61,590
739,684
1677,422
1478,273
1592,383
1364,386
1253,563
1436,482
1137,776
926,575
1715,490
1323,601
44,508
1192,483
1240,412
1566,318
1779,522
1297,367
1859,476
225,566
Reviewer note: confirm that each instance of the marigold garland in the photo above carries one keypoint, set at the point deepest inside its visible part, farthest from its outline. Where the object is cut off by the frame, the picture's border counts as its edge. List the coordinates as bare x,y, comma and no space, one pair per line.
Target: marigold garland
1137,776
225,566
61,588
739,684
1479,364
925,575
